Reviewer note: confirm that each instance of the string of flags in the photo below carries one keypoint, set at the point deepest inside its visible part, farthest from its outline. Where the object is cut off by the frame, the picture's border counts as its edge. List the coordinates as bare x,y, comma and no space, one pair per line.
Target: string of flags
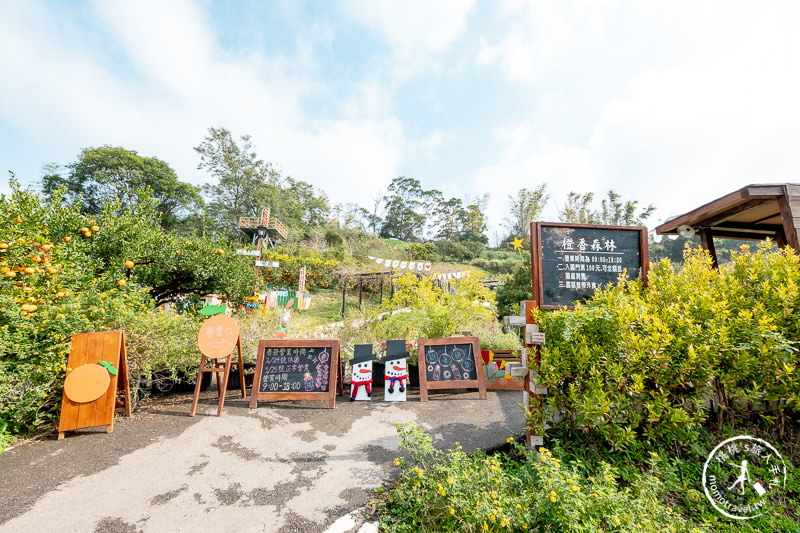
409,265
419,266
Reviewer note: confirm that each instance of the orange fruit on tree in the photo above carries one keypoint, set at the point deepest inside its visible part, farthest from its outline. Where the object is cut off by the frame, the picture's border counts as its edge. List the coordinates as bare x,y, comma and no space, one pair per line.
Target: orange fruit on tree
51,270
18,220
60,294
129,264
84,229
3,245
87,233
11,274
29,270
47,247
36,259
121,282
95,228
177,252
67,238
28,290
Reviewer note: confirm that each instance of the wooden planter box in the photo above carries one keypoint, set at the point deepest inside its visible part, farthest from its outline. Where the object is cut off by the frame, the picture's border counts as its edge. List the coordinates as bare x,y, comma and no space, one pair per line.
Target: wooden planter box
495,375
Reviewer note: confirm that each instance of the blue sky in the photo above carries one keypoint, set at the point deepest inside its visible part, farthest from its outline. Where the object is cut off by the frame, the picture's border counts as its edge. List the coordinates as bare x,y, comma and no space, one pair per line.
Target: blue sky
670,103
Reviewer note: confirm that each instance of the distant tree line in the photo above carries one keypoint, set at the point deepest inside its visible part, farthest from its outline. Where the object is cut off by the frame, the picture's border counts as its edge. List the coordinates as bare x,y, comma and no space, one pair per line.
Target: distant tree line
452,228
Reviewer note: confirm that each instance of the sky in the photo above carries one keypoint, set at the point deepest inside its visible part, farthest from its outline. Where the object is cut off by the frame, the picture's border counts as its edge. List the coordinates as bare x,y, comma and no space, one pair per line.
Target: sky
668,103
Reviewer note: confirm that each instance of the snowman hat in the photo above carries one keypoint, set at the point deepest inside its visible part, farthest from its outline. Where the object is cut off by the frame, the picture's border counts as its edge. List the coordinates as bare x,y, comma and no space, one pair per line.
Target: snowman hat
362,353
395,350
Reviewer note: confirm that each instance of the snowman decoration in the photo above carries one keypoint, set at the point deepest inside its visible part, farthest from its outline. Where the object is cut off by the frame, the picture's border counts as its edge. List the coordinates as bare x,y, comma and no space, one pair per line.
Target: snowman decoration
361,379
396,371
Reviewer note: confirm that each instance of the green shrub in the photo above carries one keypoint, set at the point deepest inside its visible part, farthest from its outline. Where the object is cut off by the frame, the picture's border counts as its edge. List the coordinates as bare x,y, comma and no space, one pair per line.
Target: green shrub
62,273
638,364
440,313
528,490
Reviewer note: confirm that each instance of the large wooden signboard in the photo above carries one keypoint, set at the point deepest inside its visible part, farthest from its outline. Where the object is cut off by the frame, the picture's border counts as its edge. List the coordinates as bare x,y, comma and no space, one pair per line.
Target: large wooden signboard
296,369
450,363
98,367
571,261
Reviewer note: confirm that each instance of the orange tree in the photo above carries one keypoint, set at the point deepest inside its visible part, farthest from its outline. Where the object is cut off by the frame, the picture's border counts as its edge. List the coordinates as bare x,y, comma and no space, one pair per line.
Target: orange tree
62,272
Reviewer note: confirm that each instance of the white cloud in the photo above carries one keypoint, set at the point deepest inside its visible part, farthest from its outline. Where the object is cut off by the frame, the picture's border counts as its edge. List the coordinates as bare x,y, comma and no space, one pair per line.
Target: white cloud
705,119
416,30
67,92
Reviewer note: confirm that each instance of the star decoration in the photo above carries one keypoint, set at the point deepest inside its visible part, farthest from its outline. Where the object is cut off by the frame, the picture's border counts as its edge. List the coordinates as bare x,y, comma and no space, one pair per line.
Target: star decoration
517,244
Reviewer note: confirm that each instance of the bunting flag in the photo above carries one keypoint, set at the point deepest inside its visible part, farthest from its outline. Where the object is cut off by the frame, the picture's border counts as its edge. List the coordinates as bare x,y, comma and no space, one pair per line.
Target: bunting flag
419,266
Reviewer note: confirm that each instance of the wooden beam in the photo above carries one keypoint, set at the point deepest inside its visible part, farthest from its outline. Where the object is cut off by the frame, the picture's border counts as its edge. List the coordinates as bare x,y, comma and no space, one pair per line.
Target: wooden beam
788,219
707,241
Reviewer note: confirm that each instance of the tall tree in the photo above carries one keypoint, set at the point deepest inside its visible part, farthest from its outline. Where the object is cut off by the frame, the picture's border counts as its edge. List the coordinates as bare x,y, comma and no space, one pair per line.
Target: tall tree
613,211
244,184
578,209
405,217
524,208
101,175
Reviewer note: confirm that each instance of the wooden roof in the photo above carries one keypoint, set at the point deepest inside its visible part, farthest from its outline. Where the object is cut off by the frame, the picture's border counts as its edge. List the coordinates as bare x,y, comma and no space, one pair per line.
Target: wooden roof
753,212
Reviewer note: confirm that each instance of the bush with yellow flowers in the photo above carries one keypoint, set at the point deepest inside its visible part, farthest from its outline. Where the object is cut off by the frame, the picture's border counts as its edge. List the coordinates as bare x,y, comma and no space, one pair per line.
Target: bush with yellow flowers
519,490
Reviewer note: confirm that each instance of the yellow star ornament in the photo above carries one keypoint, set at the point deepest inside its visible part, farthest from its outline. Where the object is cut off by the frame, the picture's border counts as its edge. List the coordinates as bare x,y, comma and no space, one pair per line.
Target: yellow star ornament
517,244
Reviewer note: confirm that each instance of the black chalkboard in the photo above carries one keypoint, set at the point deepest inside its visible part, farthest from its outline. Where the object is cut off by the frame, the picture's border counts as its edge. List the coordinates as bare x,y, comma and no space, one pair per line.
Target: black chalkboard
571,261
450,363
296,369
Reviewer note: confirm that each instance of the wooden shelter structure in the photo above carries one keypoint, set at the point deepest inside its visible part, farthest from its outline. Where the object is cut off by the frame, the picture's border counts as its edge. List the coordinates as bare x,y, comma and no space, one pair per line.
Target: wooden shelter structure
754,212
268,229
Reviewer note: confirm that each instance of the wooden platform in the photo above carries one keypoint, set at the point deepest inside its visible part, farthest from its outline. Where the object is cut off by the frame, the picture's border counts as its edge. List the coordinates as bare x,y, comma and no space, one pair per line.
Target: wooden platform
276,231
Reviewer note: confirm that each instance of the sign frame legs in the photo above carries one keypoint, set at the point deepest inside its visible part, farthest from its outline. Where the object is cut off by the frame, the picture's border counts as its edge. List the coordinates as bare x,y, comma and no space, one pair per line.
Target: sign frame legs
220,367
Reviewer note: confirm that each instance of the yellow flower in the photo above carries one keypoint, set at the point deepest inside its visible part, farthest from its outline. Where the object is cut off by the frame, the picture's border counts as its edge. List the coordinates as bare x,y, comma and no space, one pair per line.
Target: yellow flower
552,494
460,447
502,523
575,488
451,480
524,526
519,506
452,511
492,517
509,439
485,526
420,474
397,462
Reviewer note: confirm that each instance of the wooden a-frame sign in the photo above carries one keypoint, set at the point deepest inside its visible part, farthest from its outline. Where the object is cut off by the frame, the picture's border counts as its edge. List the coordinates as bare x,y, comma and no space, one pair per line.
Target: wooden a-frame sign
218,338
99,368
450,363
297,369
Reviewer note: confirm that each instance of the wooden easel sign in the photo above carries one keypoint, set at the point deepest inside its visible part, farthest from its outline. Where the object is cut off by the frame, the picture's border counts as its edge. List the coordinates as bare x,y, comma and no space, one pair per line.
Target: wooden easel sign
99,367
450,363
218,338
296,369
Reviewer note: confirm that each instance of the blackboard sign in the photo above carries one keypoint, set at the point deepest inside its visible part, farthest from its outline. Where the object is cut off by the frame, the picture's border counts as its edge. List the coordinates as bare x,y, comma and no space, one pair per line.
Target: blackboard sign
296,369
451,363
571,261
